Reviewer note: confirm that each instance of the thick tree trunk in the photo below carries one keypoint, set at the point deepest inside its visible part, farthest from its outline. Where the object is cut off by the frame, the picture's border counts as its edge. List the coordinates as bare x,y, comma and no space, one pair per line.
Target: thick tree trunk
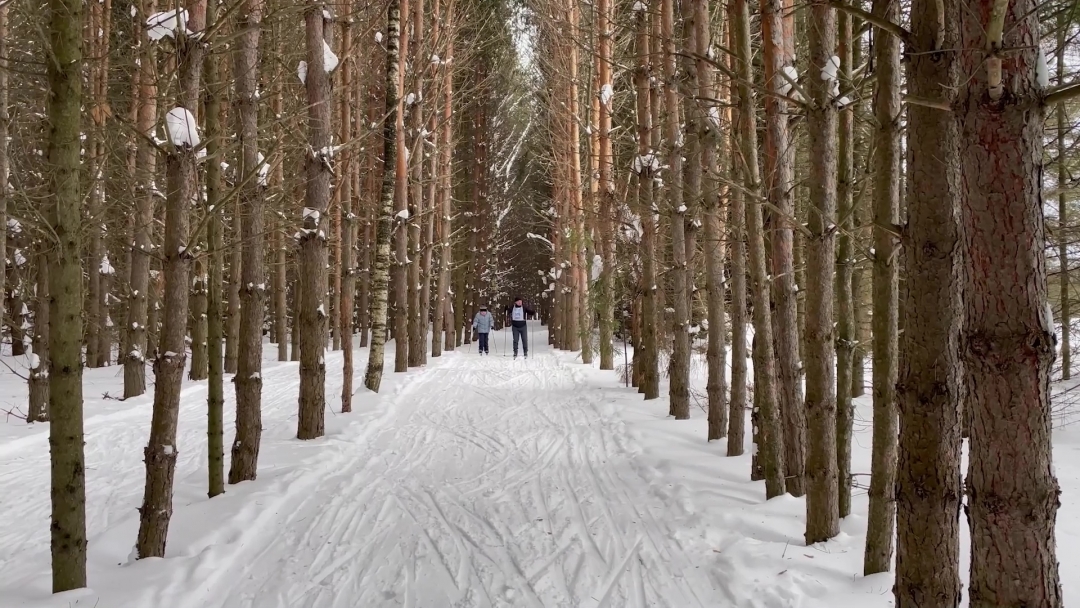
770,440
399,275
248,379
928,493
68,465
779,155
822,512
1007,342
381,270
880,531
313,309
679,368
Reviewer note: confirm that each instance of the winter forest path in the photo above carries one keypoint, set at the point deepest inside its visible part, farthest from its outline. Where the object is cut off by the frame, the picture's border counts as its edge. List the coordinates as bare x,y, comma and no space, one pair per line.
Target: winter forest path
474,482
492,482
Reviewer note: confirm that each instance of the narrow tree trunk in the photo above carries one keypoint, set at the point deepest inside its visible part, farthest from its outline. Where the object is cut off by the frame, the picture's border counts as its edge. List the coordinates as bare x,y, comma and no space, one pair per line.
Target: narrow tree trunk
312,311
215,328
779,155
880,531
1063,214
381,271
443,325
348,227
1007,342
845,316
281,251
38,410
232,318
67,460
399,274
605,298
415,204
822,512
198,368
770,447
737,234
5,159
928,492
248,379
713,144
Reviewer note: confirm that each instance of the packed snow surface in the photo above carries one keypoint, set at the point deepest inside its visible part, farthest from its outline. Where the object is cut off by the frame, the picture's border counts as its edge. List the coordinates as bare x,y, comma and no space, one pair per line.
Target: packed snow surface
472,482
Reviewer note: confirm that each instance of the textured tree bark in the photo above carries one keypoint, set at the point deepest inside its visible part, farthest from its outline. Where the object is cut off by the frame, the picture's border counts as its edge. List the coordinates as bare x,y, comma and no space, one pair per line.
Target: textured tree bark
215,329
713,144
248,378
381,271
232,316
822,512
197,319
444,315
674,181
182,178
580,326
399,270
5,145
770,432
1063,213
779,156
38,410
67,460
346,306
845,316
280,256
650,373
313,310
1007,341
878,555
737,404
928,495
605,286
415,196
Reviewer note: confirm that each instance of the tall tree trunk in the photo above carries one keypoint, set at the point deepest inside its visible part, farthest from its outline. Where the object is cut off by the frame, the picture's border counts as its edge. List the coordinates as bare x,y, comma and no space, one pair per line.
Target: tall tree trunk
444,315
415,205
1008,336
381,271
845,316
679,369
248,379
313,308
5,159
67,460
737,230
928,493
215,329
779,155
399,274
605,298
712,143
879,534
232,317
348,227
281,250
38,410
646,160
182,178
822,512
580,326
1063,212
770,447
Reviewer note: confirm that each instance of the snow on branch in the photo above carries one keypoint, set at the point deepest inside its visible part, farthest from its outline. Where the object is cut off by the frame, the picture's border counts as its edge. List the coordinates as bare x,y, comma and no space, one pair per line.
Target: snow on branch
330,61
165,24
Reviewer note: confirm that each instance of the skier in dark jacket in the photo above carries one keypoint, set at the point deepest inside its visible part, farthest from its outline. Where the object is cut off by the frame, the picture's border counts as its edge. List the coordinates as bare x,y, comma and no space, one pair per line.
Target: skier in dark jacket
517,315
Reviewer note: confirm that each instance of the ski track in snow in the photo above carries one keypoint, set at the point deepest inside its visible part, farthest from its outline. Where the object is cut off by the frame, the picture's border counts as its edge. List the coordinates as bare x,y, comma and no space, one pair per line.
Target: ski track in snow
478,481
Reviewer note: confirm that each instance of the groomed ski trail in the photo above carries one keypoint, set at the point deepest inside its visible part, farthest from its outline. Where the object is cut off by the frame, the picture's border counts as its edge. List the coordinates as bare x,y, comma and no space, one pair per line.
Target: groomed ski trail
492,482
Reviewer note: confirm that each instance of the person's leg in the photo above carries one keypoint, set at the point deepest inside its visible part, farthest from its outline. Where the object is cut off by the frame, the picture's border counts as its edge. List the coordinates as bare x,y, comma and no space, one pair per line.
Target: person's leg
514,330
525,340
484,343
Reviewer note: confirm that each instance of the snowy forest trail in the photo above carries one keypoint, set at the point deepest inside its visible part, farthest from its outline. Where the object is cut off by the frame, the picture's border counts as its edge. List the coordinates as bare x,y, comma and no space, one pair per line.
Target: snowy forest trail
493,482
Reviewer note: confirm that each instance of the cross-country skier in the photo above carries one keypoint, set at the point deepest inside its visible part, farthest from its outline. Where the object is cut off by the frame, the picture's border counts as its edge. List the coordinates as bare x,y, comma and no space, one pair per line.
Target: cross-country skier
517,314
482,325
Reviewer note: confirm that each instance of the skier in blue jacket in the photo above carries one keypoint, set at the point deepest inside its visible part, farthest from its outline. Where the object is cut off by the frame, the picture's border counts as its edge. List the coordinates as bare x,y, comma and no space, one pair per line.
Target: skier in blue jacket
482,324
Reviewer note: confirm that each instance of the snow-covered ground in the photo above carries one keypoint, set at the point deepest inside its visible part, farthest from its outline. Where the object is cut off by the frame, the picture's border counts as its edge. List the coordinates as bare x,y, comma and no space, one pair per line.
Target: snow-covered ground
471,482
